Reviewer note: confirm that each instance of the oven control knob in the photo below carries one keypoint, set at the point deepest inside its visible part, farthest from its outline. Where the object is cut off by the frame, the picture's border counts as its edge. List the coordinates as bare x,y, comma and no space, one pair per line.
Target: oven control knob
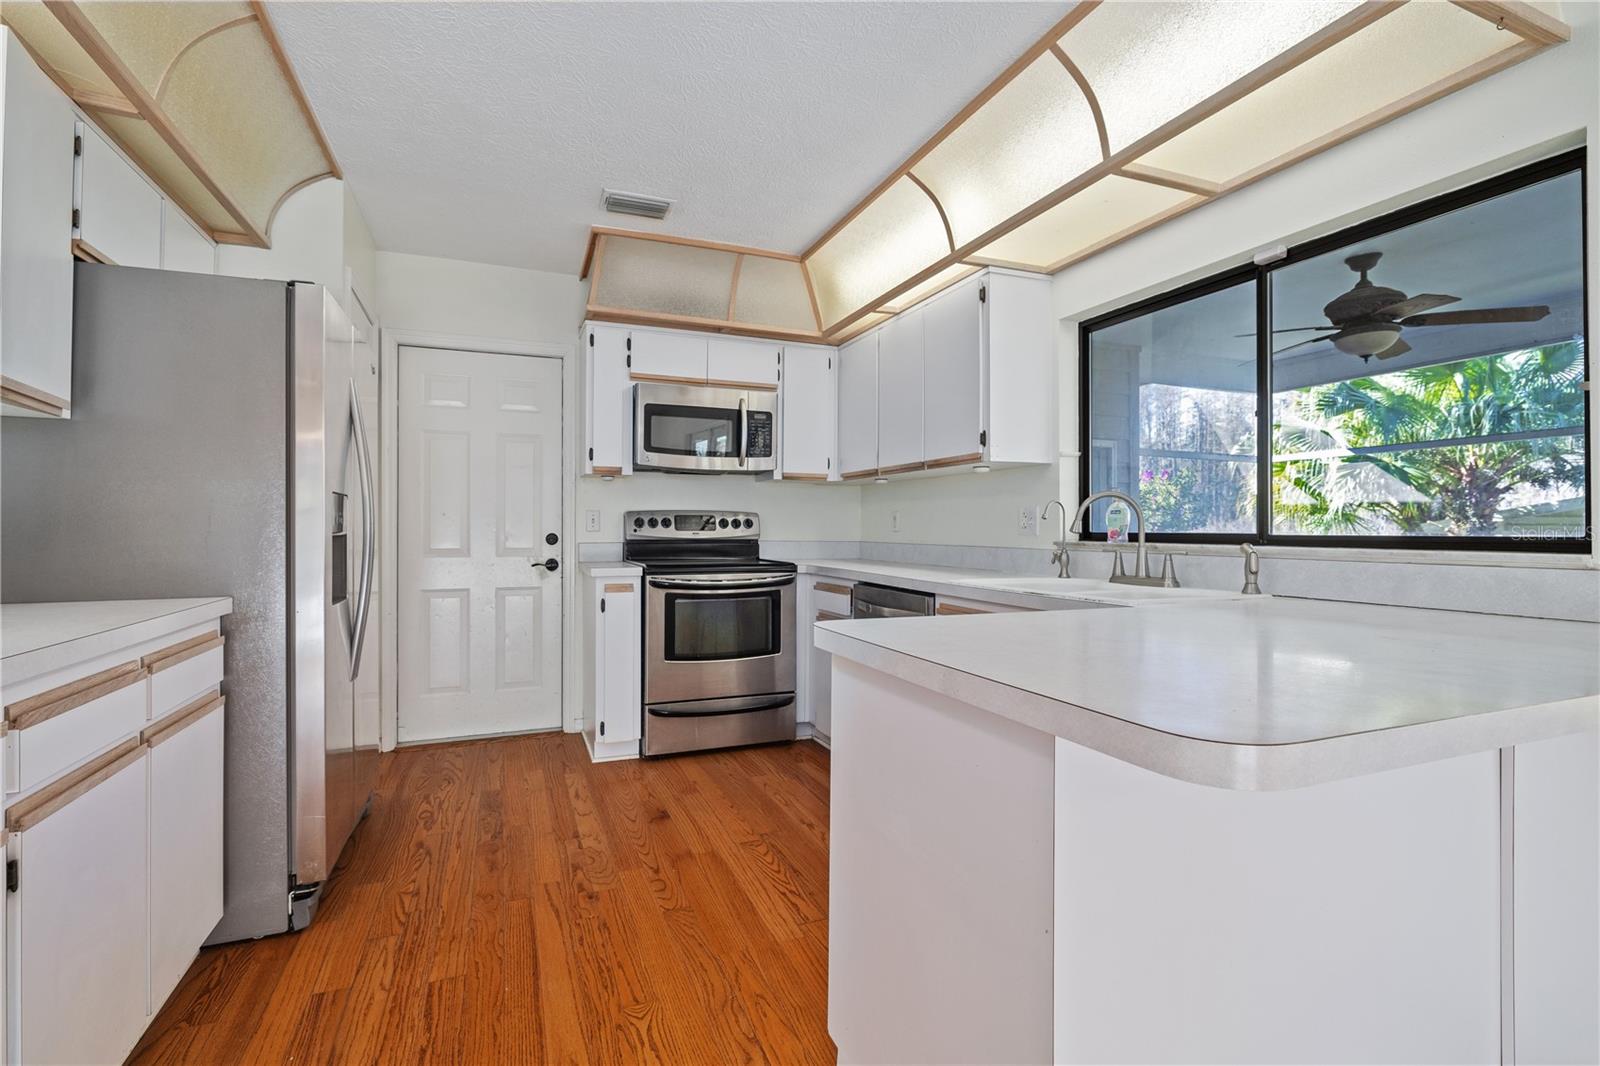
654,522
638,523
749,523
723,522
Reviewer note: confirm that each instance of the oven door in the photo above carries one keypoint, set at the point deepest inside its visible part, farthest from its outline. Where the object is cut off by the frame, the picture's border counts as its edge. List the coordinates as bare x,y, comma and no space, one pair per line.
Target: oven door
717,636
689,427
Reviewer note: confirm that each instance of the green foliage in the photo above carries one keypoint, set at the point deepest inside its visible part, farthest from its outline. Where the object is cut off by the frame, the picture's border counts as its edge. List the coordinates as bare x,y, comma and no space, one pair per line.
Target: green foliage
1455,490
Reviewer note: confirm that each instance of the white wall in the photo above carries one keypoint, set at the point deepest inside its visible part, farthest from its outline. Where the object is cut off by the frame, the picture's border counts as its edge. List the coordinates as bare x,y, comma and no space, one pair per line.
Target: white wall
307,241
360,253
1535,109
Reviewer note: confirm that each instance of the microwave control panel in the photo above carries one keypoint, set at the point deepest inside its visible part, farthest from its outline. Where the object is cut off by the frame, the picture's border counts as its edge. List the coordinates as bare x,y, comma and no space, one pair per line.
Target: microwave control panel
758,440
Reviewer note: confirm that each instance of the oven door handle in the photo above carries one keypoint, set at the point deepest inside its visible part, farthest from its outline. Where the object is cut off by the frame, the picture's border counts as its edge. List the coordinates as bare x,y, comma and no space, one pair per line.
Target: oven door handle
743,431
716,585
727,705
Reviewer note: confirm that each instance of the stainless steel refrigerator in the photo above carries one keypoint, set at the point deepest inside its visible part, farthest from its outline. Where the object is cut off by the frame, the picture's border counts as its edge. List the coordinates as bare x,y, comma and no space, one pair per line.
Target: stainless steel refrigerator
216,447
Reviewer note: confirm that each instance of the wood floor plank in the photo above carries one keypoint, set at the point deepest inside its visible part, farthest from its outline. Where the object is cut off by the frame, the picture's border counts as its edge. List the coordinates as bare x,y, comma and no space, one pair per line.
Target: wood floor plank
509,901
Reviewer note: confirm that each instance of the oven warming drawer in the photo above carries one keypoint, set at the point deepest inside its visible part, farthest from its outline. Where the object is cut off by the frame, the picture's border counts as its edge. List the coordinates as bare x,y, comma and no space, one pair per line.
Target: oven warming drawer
696,725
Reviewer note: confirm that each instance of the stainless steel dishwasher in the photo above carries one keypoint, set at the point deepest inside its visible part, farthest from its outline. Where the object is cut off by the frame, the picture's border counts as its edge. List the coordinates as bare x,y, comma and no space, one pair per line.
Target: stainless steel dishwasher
883,601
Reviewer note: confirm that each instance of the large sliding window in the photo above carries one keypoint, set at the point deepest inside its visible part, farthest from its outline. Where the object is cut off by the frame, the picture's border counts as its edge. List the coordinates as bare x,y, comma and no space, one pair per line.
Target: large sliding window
1422,375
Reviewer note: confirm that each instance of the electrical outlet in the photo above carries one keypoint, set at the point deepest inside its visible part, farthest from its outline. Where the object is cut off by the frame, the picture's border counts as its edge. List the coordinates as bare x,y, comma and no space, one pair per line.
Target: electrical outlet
894,521
1028,520
591,521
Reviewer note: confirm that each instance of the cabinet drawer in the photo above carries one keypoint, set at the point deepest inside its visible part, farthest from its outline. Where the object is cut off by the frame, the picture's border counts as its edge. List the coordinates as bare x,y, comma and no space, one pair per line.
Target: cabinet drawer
948,605
63,726
831,596
182,671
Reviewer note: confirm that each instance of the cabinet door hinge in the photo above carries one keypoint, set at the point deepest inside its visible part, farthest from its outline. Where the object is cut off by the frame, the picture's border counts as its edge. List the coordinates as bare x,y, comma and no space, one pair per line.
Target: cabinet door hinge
591,455
827,464
77,144
630,361
13,875
602,605
629,343
591,338
76,216
830,362
602,729
983,294
983,438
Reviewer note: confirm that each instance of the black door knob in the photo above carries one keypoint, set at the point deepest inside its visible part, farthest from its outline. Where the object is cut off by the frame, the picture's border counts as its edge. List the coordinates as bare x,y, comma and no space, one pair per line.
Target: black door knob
551,538
552,564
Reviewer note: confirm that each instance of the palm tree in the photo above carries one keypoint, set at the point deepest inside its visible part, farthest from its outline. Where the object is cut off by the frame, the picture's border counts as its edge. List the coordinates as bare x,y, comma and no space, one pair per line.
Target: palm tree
1342,474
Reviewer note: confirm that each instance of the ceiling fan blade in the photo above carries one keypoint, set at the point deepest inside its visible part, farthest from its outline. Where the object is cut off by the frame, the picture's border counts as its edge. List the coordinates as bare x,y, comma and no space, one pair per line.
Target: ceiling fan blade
1296,329
1485,315
1397,348
1302,344
1423,301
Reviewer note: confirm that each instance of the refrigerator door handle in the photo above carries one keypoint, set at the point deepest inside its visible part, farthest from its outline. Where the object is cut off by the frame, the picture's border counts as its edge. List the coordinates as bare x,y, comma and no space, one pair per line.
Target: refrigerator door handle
368,535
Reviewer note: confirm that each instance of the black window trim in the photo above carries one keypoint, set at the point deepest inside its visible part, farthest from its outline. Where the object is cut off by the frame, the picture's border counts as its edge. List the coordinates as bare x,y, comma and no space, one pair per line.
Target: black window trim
1477,192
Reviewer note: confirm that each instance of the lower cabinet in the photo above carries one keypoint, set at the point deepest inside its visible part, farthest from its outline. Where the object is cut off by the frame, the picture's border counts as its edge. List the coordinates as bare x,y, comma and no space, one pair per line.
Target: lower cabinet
613,687
185,843
822,600
77,918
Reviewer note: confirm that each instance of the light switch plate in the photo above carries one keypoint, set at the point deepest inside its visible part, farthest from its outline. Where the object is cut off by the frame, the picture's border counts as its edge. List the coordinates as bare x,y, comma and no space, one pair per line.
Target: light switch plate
591,521
894,521
1028,520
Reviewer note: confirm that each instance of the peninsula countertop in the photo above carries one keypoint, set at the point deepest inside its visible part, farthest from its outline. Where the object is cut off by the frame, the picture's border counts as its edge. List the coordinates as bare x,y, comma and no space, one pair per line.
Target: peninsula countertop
1039,592
1253,693
36,638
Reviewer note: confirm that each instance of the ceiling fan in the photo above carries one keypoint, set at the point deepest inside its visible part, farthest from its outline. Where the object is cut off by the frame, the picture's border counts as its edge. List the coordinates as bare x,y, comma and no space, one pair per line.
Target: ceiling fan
1367,320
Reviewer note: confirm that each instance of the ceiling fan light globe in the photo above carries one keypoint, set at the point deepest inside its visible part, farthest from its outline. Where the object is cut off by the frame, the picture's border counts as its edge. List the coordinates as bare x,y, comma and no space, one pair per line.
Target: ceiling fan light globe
1368,341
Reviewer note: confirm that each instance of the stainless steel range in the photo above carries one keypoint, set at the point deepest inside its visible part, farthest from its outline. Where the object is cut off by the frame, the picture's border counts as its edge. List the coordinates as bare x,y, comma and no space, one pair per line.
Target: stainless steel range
719,631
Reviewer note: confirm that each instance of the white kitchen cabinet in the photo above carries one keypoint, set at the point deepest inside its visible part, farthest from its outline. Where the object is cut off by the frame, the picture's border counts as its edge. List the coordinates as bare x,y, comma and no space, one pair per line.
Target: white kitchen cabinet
119,213
36,130
858,407
810,410
900,393
77,920
664,355
183,247
952,363
606,430
186,841
743,361
823,599
613,687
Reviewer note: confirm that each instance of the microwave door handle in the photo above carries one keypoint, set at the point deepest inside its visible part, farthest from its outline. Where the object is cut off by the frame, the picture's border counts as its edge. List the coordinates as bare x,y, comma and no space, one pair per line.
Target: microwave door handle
743,430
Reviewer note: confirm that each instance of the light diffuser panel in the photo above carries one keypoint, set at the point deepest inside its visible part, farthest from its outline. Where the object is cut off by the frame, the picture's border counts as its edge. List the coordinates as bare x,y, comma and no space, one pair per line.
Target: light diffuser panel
772,292
894,237
1103,210
673,279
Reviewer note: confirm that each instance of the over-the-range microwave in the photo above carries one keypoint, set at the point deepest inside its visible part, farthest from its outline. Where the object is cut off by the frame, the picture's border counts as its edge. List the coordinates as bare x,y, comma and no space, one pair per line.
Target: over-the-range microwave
704,429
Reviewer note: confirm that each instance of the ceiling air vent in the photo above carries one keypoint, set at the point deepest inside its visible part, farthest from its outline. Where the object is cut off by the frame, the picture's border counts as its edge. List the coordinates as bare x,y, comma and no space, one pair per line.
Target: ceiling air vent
632,203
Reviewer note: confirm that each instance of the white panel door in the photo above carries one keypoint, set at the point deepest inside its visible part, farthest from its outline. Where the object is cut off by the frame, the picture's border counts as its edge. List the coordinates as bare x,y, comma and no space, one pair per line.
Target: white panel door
663,356
479,494
952,373
858,406
119,213
809,408
742,361
900,392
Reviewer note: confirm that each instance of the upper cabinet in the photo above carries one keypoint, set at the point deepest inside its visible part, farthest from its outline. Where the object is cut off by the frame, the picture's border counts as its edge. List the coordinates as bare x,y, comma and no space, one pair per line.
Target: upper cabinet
605,411
667,355
743,362
36,131
858,407
118,212
183,247
810,406
952,384
900,440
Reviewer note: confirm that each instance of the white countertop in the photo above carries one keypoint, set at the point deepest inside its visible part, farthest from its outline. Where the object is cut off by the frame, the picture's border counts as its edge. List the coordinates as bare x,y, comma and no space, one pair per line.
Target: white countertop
610,569
1039,593
36,638
1255,692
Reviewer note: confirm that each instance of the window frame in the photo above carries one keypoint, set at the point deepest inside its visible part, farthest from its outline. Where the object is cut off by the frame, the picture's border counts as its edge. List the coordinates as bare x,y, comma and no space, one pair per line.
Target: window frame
1574,161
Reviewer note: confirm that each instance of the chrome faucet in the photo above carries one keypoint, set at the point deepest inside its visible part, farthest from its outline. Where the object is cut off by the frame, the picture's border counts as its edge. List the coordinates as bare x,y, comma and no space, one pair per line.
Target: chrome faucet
1059,556
1141,568
1252,570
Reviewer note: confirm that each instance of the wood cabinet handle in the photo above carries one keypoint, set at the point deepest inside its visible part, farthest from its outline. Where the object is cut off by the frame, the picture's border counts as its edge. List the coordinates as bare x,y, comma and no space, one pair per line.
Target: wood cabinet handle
25,814
620,587
158,661
950,608
59,700
829,616
181,719
828,586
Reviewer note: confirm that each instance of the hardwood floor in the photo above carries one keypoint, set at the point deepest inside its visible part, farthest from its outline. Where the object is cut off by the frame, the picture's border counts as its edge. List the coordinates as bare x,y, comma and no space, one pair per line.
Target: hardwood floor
508,901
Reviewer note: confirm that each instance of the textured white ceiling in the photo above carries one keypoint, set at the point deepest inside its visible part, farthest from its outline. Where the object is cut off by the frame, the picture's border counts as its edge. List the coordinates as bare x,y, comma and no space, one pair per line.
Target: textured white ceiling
486,131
